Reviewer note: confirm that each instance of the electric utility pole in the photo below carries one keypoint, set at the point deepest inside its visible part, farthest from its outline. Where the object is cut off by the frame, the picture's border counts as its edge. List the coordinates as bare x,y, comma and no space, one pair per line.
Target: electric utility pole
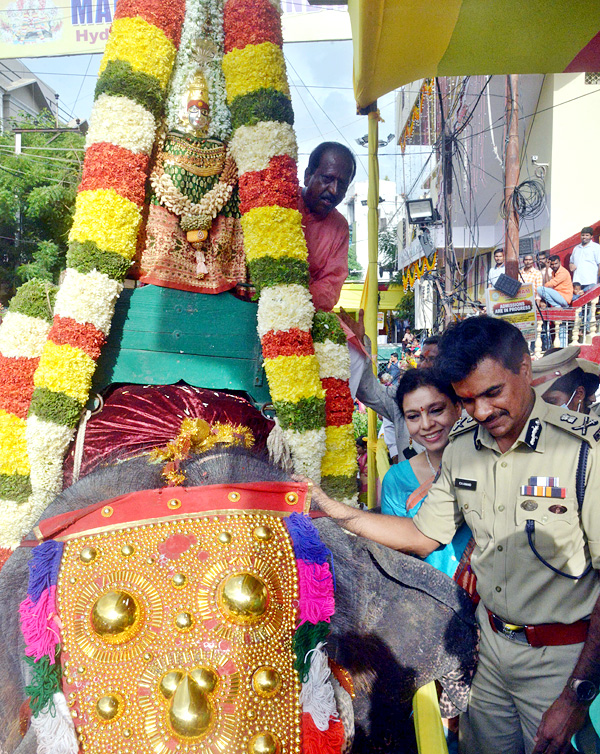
511,178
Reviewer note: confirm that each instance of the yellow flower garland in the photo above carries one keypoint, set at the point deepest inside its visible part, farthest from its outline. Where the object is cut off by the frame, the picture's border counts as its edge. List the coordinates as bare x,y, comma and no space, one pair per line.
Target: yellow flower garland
13,445
65,369
292,378
107,219
273,232
144,46
340,456
255,67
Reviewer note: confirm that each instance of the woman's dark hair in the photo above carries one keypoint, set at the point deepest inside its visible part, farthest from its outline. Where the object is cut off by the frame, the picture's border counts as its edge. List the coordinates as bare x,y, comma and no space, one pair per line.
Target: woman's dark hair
416,378
465,344
569,382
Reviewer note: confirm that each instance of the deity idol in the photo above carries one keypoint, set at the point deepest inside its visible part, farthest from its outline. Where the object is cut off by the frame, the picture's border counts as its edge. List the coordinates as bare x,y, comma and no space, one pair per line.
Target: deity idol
193,234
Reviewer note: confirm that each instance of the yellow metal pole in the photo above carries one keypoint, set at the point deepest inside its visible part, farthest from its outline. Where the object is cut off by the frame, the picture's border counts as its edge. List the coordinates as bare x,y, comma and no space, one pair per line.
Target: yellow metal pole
372,290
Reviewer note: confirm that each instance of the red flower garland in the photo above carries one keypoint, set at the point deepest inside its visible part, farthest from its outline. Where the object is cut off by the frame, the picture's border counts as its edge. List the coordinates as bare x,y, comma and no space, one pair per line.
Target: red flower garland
338,402
166,16
251,22
275,185
108,166
16,384
67,332
292,342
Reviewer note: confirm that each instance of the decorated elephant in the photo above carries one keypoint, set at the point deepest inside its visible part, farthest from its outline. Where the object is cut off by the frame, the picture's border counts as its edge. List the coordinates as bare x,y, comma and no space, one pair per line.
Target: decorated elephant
172,620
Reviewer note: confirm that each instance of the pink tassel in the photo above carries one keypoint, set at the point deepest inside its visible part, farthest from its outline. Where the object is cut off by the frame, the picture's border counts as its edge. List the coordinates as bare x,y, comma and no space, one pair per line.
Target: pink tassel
316,592
40,625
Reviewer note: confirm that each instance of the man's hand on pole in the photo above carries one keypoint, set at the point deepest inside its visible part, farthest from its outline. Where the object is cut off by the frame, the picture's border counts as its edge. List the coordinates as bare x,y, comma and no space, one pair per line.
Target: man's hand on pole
358,328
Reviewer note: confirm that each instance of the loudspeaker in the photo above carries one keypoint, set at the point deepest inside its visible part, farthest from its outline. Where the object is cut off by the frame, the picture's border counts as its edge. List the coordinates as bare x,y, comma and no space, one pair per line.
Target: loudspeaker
508,286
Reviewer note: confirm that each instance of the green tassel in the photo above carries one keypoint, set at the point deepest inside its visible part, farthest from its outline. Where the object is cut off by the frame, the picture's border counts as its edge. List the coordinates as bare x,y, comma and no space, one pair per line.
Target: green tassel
44,683
306,638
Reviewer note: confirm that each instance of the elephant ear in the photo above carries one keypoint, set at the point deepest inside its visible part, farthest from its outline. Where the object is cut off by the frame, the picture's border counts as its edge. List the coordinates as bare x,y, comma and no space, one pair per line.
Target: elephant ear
416,574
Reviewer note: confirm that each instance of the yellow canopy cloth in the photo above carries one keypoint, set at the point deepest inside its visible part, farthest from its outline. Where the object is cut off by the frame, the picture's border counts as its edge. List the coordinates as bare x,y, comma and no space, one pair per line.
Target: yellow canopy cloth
399,41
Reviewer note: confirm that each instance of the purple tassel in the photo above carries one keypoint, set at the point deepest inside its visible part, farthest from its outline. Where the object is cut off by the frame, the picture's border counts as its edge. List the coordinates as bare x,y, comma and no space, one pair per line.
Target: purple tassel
307,544
43,568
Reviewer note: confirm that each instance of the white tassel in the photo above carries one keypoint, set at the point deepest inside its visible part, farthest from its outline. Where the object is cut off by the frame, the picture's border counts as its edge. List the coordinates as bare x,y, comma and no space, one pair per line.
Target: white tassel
279,450
317,697
55,732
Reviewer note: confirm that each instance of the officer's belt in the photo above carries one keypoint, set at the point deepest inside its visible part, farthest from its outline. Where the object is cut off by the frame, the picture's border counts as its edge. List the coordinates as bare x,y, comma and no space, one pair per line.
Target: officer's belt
543,635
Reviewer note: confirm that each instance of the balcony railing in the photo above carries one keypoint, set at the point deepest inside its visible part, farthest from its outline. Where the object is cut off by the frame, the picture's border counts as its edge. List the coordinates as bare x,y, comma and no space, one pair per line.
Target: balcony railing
574,326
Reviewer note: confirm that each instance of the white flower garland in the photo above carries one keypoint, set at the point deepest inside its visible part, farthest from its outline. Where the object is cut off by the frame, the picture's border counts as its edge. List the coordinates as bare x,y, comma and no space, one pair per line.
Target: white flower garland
253,147
334,360
282,307
22,336
88,297
307,450
122,122
200,16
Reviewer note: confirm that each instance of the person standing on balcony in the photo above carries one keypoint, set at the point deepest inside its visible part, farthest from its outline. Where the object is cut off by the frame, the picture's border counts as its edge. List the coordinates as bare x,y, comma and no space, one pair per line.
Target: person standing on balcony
498,268
585,260
558,291
530,273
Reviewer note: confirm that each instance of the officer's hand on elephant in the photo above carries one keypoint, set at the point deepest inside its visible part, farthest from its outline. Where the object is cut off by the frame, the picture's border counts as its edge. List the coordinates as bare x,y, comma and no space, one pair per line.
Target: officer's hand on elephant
316,492
559,723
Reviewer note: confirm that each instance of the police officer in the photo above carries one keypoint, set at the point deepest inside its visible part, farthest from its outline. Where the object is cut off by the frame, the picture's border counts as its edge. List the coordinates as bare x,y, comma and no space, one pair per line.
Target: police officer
515,471
563,379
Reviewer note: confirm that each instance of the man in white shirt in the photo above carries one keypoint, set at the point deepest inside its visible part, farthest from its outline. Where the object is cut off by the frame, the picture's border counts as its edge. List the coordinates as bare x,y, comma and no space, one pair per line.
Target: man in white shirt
498,269
585,260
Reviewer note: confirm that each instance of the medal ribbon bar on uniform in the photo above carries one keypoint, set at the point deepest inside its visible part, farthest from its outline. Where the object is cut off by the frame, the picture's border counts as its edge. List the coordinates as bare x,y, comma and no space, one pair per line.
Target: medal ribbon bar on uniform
544,481
540,491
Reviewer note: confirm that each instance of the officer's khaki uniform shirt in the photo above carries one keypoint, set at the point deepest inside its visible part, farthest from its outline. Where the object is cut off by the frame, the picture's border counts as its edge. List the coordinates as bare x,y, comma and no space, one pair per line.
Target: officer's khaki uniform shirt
482,486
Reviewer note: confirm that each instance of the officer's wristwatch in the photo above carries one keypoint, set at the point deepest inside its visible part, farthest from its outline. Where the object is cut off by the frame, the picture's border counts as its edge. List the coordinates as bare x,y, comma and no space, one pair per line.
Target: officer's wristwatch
585,691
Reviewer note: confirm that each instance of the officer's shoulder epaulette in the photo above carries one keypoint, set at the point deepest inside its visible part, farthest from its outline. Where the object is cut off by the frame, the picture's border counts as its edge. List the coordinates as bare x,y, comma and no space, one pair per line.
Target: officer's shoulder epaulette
585,427
464,424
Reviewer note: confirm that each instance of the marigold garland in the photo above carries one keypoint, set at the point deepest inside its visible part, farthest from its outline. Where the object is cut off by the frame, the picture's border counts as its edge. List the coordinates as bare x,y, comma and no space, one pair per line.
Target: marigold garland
141,44
256,83
283,228
166,16
265,25
22,336
339,467
256,66
276,185
112,166
108,219
140,51
416,271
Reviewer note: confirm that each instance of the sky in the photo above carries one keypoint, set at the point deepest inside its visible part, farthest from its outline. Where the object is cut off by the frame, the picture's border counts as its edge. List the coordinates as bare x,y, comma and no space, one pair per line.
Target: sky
320,77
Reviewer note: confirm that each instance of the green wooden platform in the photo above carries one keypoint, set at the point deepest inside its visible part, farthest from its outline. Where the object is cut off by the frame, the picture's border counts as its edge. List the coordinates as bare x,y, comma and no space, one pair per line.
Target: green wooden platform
160,336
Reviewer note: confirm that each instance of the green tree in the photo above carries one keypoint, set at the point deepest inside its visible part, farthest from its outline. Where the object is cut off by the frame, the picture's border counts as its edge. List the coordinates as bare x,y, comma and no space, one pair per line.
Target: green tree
37,201
387,246
406,308
355,270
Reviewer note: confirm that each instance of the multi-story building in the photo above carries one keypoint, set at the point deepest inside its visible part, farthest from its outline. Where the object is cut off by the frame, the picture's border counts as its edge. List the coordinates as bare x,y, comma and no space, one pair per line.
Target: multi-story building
22,92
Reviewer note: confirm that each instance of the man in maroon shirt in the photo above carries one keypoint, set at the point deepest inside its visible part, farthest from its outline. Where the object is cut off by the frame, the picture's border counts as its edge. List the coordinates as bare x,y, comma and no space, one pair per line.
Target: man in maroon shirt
331,168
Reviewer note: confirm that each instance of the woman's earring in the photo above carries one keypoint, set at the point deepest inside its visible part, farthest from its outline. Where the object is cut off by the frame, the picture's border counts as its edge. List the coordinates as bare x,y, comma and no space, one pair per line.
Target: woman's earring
410,443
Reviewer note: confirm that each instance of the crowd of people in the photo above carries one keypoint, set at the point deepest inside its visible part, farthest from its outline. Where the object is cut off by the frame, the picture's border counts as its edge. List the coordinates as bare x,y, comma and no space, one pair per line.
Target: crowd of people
490,489
554,284
493,479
